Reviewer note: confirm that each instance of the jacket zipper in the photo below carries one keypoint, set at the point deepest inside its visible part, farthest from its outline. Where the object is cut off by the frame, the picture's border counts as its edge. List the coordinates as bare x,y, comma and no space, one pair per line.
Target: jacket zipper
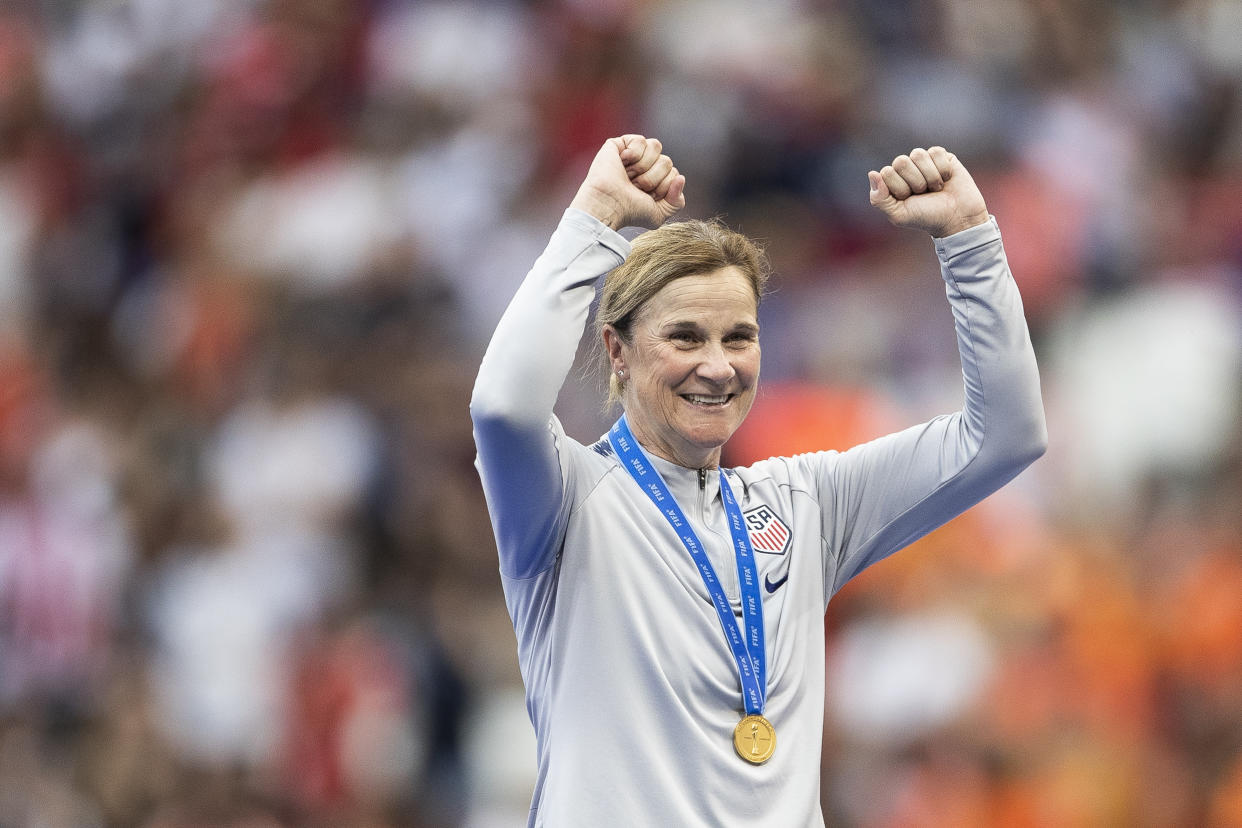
728,576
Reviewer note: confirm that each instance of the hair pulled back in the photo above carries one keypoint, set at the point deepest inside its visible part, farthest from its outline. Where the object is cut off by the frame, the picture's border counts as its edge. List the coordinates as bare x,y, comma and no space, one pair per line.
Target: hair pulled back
674,250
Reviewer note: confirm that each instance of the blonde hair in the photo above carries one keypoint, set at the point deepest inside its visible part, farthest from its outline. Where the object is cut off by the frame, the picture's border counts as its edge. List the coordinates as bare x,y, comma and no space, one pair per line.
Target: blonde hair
677,249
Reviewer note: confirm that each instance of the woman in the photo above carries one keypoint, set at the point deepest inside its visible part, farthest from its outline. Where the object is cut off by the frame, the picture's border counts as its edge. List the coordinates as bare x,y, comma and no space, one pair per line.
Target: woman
669,613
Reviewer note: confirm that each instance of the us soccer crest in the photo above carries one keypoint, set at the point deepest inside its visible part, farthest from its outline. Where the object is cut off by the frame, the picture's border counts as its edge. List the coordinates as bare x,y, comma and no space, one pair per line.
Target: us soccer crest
768,533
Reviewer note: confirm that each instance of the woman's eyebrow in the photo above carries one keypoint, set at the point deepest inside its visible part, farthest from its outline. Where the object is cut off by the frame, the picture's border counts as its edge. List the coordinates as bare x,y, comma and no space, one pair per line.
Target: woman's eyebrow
690,325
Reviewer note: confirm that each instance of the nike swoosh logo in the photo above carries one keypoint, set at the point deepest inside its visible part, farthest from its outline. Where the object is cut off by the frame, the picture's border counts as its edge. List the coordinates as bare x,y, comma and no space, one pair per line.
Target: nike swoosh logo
774,586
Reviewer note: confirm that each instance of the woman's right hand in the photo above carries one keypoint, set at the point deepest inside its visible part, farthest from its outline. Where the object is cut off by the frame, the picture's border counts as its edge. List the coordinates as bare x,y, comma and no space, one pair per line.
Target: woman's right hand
631,184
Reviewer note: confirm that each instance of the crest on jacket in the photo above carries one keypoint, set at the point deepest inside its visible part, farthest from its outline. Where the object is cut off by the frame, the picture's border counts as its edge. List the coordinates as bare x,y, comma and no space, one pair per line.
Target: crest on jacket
768,533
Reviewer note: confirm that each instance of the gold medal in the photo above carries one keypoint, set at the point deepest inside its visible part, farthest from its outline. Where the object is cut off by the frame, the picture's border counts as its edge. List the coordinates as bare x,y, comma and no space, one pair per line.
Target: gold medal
754,739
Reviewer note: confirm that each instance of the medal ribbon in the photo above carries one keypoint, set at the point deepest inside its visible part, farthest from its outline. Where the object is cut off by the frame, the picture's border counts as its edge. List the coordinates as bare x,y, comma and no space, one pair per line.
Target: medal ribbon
749,651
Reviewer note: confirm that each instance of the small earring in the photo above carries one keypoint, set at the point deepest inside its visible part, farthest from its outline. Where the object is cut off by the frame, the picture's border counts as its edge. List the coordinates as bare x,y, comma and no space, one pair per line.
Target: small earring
620,373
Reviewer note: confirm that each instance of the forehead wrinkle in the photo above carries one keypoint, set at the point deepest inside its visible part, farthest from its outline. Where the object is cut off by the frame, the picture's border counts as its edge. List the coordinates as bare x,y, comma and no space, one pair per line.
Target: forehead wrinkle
690,300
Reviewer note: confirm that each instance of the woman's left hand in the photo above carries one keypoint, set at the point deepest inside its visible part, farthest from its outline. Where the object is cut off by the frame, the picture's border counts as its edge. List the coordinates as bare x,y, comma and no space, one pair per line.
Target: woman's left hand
930,190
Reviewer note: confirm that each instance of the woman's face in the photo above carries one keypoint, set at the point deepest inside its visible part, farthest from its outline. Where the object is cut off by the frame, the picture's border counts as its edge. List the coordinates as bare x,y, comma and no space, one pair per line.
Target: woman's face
691,366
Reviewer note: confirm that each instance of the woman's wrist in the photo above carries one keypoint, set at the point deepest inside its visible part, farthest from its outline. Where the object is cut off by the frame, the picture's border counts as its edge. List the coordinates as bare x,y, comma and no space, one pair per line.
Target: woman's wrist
601,206
962,223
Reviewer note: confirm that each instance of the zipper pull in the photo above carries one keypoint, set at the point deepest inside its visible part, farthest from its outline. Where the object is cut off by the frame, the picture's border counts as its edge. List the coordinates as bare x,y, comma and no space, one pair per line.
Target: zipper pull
702,479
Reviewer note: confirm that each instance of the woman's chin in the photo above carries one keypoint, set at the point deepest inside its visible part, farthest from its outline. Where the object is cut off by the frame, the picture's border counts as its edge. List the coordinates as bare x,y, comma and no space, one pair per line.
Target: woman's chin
707,440
711,429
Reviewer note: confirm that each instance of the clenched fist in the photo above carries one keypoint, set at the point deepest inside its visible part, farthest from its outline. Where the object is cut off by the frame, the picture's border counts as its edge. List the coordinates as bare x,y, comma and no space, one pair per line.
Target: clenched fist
631,183
929,190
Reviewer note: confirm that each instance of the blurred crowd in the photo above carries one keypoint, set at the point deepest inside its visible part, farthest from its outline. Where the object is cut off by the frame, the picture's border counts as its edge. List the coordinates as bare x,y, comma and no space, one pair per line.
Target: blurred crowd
251,252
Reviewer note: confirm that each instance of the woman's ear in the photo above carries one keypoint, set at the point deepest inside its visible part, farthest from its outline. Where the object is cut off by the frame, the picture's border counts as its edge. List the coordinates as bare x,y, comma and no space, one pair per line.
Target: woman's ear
613,345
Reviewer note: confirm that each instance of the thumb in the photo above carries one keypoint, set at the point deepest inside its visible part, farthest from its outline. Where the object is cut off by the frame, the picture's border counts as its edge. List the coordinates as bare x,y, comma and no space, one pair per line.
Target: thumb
676,196
880,195
611,156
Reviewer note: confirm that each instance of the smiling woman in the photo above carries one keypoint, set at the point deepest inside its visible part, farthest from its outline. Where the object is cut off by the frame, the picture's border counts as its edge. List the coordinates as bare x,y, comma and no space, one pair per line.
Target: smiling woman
689,356
669,613
657,258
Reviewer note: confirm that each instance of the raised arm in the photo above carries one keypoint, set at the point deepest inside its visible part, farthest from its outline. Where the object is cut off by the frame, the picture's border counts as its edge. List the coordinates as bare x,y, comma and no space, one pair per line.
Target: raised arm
630,183
886,493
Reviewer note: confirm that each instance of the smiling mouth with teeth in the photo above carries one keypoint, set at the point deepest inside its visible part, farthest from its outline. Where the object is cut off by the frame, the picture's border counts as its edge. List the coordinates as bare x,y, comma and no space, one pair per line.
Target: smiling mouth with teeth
705,399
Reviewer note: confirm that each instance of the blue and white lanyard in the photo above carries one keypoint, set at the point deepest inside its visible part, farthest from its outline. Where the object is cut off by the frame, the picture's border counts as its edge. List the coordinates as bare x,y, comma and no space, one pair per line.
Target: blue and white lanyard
748,651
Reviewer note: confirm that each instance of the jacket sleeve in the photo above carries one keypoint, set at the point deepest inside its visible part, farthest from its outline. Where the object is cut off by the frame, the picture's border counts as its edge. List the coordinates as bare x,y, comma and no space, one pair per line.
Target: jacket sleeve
516,435
882,495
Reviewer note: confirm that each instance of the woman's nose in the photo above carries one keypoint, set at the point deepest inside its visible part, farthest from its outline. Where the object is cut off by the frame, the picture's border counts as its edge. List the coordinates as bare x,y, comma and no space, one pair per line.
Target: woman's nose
715,365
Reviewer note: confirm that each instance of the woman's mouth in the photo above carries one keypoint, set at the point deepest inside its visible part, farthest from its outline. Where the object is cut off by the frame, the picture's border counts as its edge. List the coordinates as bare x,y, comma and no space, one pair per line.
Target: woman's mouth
709,400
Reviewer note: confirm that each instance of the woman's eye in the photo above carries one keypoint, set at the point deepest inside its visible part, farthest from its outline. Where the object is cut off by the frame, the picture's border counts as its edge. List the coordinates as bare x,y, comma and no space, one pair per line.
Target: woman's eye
682,336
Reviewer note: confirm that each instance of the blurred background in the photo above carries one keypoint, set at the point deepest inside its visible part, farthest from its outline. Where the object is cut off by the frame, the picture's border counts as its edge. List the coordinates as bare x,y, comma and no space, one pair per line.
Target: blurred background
251,252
